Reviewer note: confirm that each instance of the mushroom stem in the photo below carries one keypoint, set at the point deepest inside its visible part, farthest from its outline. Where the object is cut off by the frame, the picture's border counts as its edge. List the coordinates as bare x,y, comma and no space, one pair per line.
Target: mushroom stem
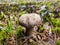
31,31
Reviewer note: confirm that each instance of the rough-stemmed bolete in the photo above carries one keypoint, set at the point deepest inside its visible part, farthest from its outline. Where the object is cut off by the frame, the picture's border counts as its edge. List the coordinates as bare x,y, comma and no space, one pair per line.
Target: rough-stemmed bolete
31,22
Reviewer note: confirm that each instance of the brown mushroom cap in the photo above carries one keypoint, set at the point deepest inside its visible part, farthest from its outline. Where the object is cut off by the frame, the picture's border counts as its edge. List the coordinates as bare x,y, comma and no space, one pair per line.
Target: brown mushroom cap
30,20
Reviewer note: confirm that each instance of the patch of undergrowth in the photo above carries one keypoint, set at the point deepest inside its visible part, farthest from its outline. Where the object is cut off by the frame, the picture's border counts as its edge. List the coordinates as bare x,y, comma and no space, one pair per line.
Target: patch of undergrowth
3,36
56,24
4,33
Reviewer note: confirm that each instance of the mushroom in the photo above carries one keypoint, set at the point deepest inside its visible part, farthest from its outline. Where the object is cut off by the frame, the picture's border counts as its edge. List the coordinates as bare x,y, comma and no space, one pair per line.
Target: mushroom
31,22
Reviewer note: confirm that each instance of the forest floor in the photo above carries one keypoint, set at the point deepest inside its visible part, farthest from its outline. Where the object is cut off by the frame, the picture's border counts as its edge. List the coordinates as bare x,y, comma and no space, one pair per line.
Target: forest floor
12,33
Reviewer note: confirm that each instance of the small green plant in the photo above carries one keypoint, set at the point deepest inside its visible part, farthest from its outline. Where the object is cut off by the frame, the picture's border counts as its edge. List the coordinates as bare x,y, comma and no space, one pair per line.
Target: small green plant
58,42
41,29
3,35
19,30
53,30
58,30
48,4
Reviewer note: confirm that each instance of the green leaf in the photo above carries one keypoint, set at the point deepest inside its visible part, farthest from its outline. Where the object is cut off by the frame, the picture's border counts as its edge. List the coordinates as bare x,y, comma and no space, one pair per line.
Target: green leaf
9,28
2,15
